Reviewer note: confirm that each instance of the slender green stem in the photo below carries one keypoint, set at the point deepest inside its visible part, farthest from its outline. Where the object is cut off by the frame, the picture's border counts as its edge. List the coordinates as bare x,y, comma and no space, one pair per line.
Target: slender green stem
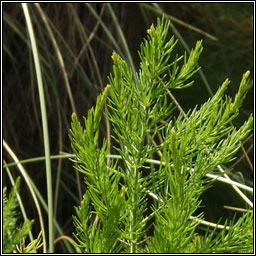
36,159
152,161
180,22
112,39
28,181
134,211
122,37
37,197
23,211
45,207
65,76
45,126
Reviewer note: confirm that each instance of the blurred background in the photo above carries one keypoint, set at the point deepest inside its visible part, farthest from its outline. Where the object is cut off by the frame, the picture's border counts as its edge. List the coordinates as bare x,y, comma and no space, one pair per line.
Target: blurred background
84,36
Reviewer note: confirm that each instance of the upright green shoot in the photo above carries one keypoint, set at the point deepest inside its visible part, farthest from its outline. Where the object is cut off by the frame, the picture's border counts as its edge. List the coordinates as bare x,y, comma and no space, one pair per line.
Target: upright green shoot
130,206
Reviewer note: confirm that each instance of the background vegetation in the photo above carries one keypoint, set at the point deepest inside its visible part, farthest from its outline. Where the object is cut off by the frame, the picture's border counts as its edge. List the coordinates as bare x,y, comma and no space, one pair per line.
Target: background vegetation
75,43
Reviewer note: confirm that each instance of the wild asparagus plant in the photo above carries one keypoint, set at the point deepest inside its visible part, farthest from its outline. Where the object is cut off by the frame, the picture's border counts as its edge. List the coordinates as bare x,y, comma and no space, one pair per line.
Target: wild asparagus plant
14,233
132,205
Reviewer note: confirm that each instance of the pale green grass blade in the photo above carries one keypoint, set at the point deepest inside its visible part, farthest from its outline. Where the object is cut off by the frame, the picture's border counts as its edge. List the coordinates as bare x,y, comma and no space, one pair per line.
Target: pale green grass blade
27,180
45,126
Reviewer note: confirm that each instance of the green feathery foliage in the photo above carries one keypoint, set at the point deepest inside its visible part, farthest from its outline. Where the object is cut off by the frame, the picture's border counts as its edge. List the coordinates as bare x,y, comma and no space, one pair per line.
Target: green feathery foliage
124,197
14,234
32,247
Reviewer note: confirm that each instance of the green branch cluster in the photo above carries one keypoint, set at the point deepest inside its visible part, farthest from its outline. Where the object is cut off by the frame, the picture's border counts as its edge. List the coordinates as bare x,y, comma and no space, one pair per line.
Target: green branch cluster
132,206
14,233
